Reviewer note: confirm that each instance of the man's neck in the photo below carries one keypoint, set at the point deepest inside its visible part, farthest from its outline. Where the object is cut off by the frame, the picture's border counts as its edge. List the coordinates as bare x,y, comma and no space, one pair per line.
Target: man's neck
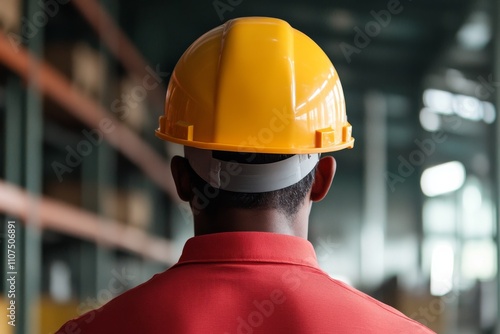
237,220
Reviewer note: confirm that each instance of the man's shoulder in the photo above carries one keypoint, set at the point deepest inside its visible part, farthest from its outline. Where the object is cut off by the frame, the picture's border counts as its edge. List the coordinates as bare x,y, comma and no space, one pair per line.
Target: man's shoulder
115,313
351,303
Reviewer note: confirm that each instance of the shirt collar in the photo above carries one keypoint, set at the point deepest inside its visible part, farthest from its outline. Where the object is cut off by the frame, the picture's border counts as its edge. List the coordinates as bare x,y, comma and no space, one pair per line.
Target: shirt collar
249,247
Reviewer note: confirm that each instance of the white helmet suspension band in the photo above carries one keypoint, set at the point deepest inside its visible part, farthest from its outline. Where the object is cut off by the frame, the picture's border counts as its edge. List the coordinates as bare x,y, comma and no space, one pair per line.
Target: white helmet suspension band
249,178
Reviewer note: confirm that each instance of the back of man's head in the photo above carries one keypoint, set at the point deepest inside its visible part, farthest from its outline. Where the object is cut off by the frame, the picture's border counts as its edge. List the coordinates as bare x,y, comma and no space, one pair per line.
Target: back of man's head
258,86
287,200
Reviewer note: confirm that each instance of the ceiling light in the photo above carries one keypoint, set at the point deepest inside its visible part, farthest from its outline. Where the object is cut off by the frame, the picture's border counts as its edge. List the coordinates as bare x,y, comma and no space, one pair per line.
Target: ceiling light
476,32
430,121
442,179
439,101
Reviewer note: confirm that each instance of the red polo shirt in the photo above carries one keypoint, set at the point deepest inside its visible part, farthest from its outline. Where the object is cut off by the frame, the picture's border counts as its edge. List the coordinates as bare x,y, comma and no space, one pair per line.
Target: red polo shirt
244,283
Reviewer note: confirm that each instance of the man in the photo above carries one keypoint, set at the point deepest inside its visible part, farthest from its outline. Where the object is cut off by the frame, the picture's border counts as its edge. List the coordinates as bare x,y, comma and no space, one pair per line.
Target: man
254,102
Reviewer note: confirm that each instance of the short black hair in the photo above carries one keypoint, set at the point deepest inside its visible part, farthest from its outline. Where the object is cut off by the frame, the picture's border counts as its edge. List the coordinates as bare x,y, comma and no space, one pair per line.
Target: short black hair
287,200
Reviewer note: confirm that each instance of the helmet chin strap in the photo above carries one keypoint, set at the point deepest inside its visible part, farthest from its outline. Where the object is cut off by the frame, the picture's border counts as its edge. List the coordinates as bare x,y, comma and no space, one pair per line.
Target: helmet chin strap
249,178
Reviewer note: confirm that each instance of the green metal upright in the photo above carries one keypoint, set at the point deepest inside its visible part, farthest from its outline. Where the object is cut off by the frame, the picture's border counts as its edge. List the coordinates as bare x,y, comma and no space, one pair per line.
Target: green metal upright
13,173
375,191
32,273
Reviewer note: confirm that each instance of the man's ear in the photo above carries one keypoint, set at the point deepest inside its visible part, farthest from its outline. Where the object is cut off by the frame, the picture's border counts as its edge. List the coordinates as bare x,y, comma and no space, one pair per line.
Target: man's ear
325,170
182,179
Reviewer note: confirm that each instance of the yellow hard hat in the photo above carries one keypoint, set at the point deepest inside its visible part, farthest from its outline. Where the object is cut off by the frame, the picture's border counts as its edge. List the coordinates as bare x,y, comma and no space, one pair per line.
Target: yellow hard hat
256,85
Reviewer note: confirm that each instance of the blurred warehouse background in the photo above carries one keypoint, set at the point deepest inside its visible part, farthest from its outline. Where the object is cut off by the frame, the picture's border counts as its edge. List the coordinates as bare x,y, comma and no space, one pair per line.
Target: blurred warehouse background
412,215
